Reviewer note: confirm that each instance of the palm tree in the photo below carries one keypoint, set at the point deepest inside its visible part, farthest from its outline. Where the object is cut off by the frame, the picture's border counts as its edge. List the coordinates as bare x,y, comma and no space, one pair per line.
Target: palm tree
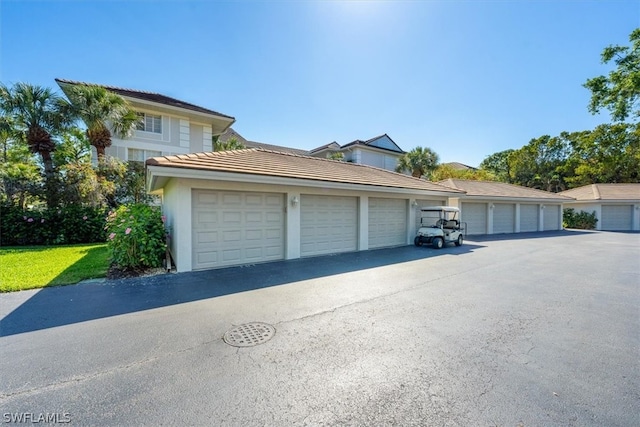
419,161
102,112
38,116
228,145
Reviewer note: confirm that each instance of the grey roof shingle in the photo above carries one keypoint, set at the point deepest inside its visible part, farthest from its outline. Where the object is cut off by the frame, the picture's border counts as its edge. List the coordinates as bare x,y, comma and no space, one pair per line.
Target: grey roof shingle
500,189
623,191
257,161
147,96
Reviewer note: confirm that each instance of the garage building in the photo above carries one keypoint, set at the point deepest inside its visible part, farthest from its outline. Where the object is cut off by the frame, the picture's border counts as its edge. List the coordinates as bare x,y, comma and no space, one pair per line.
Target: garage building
496,207
617,206
255,205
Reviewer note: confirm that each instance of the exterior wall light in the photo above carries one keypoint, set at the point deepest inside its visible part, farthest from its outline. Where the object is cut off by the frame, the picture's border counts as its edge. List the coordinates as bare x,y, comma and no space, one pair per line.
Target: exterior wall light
415,204
541,206
491,206
294,201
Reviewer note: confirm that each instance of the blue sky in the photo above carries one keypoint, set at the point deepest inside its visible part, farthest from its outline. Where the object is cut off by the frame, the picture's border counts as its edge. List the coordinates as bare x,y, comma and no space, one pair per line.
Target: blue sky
465,78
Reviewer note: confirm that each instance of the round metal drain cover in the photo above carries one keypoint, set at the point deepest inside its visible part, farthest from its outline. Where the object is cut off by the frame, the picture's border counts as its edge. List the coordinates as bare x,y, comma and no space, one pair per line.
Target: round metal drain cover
249,334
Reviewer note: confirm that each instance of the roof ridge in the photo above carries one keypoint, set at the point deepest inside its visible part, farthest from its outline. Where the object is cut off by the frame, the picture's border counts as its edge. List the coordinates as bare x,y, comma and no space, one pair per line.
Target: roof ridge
140,93
77,82
596,191
509,185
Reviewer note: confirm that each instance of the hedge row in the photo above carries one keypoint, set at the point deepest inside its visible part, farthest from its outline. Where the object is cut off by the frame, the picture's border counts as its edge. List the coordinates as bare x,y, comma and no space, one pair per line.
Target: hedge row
62,226
582,220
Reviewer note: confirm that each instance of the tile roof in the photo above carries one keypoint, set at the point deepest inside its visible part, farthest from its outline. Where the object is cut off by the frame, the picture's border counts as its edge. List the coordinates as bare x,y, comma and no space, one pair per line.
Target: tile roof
500,189
325,146
258,161
271,147
460,166
148,96
605,192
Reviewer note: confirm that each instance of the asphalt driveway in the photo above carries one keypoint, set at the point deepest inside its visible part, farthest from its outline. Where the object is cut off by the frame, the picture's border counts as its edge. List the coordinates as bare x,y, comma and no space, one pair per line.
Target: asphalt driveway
519,330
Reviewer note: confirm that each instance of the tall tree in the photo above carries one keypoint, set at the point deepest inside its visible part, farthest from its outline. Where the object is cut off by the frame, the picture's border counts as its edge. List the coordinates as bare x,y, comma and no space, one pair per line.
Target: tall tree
38,116
539,164
102,112
419,162
445,171
498,164
608,154
619,92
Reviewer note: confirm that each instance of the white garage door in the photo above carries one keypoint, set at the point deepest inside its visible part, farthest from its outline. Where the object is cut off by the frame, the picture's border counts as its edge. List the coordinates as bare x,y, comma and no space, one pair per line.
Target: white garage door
528,218
232,228
616,217
504,218
387,222
551,217
328,224
475,215
422,203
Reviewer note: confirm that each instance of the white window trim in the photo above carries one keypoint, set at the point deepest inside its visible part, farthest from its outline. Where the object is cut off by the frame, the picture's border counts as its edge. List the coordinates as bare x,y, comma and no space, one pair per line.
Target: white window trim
144,122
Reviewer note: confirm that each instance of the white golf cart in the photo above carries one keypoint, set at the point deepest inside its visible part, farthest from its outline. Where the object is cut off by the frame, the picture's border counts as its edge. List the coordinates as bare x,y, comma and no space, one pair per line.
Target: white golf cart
439,225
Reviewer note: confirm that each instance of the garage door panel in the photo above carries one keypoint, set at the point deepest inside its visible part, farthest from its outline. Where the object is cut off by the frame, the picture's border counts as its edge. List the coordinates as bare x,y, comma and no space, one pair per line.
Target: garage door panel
207,237
475,217
387,222
229,199
504,218
617,217
329,224
207,257
529,218
551,220
231,228
206,198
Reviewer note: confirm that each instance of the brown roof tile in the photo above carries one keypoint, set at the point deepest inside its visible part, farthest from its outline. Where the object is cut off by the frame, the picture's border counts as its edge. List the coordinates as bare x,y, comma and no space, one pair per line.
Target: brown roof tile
500,189
258,161
629,191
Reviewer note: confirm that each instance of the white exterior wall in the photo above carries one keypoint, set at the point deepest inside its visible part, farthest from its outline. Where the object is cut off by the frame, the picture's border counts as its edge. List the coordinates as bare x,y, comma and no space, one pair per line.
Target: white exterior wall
597,207
195,138
207,141
372,159
177,206
179,136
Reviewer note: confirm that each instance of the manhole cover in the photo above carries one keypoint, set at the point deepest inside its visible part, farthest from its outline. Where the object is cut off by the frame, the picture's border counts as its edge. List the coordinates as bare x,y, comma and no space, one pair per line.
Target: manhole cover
249,334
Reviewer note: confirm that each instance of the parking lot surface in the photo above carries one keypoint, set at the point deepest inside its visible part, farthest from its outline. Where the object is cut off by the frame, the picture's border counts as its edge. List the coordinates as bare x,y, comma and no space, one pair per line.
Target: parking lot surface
525,330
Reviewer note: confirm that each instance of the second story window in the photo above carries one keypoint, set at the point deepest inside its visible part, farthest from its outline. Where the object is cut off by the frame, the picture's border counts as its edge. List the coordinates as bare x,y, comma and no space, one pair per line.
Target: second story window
134,155
150,123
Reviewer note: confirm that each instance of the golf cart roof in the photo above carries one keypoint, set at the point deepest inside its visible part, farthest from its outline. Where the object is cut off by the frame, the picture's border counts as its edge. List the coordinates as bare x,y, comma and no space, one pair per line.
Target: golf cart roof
439,209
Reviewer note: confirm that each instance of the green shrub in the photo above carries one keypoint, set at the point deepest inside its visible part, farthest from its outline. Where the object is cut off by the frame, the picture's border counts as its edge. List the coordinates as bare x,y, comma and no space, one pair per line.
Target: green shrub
136,236
582,220
65,225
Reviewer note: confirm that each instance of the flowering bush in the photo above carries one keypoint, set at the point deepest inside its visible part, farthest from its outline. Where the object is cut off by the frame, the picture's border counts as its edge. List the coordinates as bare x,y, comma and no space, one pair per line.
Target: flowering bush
136,236
65,225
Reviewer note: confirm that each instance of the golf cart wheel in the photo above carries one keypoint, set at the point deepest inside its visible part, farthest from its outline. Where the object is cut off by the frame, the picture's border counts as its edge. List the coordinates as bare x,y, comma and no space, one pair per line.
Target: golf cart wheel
417,241
438,242
459,241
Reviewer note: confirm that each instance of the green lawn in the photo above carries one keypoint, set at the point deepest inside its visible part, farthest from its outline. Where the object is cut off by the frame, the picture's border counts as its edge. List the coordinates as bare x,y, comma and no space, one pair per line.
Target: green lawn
29,267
